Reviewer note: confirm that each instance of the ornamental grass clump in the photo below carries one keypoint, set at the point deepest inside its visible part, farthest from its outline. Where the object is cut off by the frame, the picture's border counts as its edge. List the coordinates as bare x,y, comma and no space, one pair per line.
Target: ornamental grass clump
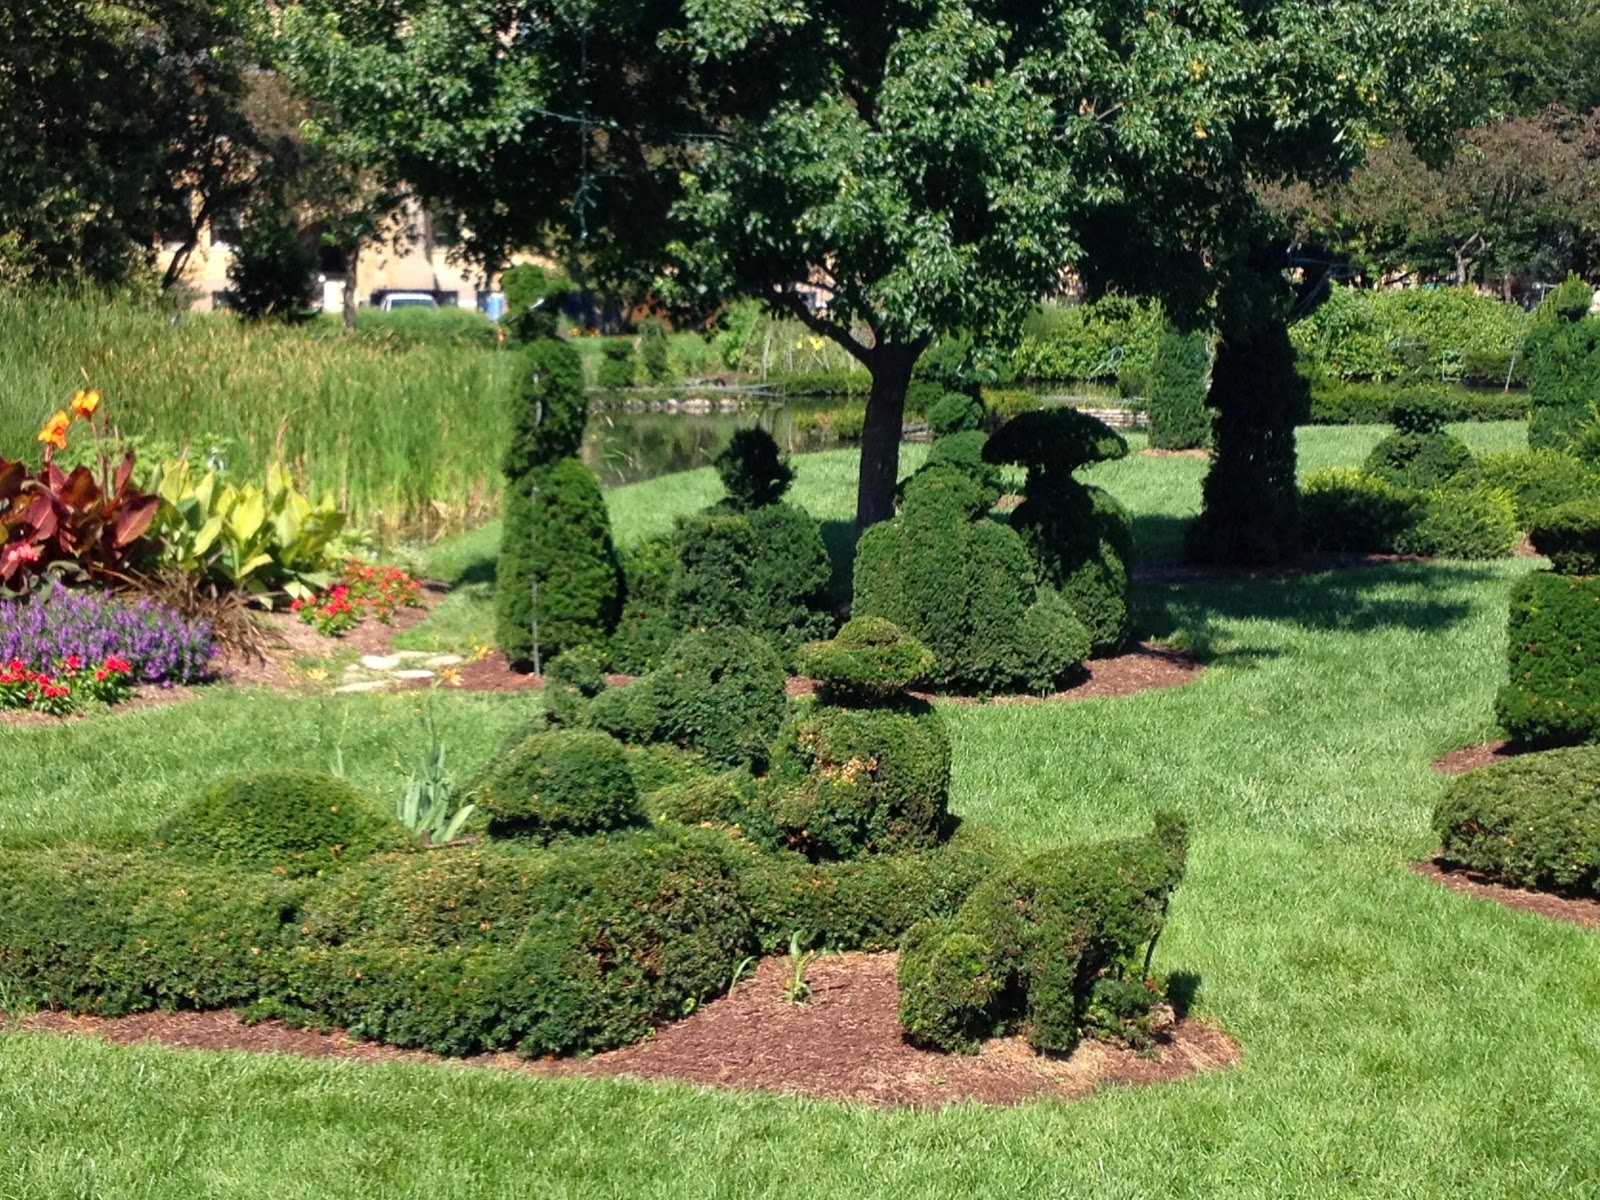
159,645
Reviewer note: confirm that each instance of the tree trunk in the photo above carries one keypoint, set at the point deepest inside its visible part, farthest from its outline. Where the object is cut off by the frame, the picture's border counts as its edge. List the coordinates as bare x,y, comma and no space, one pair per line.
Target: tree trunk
352,265
890,366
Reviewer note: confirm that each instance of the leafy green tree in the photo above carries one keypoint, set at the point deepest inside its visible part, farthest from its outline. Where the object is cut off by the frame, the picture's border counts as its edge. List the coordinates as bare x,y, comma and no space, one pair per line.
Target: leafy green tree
885,173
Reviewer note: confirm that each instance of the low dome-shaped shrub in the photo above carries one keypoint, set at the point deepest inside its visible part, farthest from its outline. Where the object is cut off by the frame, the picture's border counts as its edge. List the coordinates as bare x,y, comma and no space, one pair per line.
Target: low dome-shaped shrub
1569,536
566,781
868,660
1462,522
291,822
1552,695
1342,508
955,412
573,678
1532,822
1538,479
851,781
1419,461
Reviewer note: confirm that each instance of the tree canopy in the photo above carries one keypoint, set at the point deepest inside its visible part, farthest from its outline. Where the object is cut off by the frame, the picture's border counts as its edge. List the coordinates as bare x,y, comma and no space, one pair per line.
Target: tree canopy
887,172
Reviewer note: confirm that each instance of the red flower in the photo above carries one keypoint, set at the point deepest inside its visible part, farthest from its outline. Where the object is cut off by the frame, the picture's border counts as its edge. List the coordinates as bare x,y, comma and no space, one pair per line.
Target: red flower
74,663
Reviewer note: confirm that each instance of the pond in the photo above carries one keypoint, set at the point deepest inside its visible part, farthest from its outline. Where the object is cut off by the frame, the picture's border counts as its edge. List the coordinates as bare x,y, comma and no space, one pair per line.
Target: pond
629,440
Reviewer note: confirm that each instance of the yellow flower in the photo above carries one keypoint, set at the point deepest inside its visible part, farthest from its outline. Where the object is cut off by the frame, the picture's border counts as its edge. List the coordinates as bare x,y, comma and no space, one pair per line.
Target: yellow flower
316,674
84,403
55,430
452,676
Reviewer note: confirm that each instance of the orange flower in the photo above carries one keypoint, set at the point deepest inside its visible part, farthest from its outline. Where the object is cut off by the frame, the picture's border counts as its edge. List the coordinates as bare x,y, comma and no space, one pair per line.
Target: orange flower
55,430
84,403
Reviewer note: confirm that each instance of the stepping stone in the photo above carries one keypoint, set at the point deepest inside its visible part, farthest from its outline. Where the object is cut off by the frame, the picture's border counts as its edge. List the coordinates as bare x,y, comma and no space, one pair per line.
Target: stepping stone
354,669
413,674
364,685
444,660
380,662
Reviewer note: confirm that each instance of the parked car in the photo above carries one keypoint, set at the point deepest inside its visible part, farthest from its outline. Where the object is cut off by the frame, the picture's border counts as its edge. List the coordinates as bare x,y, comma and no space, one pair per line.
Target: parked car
396,300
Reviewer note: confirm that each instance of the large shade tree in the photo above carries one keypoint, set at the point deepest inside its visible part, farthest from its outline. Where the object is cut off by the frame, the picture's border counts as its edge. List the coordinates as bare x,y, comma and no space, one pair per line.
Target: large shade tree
885,172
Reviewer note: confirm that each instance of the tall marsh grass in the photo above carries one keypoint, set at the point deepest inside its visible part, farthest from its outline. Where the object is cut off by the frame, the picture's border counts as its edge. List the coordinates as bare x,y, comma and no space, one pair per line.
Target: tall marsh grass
406,433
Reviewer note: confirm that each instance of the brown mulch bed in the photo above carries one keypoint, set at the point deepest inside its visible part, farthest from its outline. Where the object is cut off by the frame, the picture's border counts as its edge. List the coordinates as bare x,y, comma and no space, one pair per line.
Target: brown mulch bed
1144,668
845,1044
1584,913
1470,758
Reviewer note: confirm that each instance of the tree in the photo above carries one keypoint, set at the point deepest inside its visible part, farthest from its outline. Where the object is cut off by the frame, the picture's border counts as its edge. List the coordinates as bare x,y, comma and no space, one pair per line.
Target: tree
884,173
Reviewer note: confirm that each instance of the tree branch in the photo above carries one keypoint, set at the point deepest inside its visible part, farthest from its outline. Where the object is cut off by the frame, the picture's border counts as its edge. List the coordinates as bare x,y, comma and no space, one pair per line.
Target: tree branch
795,303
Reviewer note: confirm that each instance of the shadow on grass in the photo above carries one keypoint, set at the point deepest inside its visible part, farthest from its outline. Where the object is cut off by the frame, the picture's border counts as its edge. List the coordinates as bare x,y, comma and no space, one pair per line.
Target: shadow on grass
1158,537
479,570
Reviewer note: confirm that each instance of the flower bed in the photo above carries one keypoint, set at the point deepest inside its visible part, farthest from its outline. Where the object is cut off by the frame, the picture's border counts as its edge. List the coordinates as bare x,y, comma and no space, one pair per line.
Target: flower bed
69,685
156,644
362,592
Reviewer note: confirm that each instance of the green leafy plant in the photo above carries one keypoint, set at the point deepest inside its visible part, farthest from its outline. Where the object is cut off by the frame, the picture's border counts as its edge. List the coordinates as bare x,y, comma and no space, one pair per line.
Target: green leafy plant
428,805
796,990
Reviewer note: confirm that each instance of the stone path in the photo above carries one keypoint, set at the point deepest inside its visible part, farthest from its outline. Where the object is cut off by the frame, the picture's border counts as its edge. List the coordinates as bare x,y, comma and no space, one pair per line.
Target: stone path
377,672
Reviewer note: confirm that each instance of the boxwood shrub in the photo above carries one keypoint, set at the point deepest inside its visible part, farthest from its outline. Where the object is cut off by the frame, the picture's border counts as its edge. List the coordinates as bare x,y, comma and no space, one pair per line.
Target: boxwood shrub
1569,536
286,821
1532,822
870,660
1462,522
1553,694
1538,479
565,781
1345,509
1029,945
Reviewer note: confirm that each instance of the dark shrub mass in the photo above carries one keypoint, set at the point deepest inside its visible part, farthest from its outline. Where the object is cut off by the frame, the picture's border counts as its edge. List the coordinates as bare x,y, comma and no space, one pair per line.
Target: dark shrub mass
565,781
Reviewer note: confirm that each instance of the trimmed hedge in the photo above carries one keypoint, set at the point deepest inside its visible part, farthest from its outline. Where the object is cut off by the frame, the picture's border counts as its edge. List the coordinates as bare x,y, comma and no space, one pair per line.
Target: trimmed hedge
1533,822
1569,536
566,781
1340,402
1175,393
1344,509
851,781
1553,694
286,821
868,661
1538,480
1463,522
1030,944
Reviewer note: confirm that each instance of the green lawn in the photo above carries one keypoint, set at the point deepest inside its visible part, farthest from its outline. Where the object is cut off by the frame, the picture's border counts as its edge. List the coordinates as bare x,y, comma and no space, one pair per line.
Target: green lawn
1399,1040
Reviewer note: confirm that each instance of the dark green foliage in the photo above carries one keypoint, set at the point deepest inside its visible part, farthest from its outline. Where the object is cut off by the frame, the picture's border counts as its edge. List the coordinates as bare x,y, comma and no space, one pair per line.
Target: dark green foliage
566,781
574,678
955,412
1352,402
869,660
654,351
1538,480
646,628
271,275
655,766
559,537
291,822
616,364
1563,380
1420,412
1175,391
1250,511
764,569
852,781
548,409
964,451
866,903
721,693
1032,942
1462,522
1553,694
725,798
1419,460
1081,538
1569,536
1054,441
1570,301
966,588
533,301
1345,509
1532,822
753,470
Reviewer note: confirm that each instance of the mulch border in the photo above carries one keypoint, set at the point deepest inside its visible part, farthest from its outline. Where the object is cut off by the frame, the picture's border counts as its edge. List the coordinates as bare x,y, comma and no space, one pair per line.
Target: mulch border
1571,910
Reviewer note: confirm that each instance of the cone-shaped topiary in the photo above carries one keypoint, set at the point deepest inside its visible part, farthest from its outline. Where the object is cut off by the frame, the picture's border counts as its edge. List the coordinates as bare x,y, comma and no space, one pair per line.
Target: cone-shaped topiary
556,529
753,470
1552,695
1563,366
1175,391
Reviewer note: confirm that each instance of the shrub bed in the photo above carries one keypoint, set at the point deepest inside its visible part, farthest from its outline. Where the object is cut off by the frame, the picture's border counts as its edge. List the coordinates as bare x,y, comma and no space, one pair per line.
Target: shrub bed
565,781
1533,822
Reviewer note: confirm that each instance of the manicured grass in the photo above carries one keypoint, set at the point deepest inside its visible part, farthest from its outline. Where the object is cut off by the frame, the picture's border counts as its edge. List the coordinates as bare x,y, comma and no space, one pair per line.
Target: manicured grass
1399,1039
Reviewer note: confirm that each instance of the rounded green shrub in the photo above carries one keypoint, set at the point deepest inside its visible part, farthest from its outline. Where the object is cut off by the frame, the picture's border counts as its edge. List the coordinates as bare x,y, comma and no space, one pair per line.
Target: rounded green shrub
1081,538
566,781
955,412
655,353
1538,479
721,799
1032,941
1344,509
1463,522
966,588
573,678
1532,822
645,629
1563,376
753,470
1419,460
964,451
617,366
1569,536
852,781
1054,441
1552,696
868,661
290,822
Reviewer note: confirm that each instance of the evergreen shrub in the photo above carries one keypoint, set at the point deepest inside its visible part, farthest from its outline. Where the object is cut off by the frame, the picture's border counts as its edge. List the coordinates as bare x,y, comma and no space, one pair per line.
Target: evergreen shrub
752,470
1175,391
1552,696
869,660
291,822
1419,454
1345,509
964,451
1569,536
1563,373
955,412
574,678
565,781
1462,522
654,351
617,366
1532,822
645,630
1538,480
1028,947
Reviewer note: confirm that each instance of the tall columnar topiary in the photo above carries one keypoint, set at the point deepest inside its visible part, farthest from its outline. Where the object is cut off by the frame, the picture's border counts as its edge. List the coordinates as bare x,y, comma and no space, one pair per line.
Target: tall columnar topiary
967,588
1079,535
1563,367
556,533
752,560
1552,696
1251,511
1175,391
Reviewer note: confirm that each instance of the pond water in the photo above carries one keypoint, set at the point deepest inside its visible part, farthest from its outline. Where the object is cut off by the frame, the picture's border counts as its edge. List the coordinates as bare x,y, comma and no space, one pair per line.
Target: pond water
631,440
